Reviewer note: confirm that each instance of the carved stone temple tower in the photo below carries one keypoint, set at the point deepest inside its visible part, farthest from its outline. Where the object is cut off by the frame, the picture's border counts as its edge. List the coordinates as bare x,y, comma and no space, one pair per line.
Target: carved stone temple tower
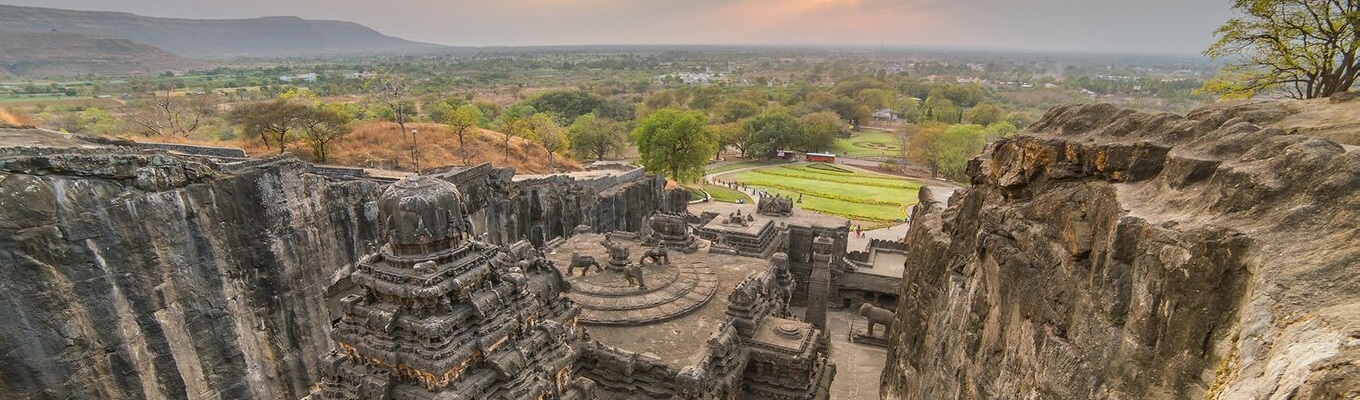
437,320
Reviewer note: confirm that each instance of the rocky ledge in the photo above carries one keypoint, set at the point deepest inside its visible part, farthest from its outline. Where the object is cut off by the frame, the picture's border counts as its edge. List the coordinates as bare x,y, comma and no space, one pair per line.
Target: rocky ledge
1106,253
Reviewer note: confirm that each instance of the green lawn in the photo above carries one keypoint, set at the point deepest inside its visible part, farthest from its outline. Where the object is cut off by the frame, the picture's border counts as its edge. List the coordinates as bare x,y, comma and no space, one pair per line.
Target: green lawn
837,191
694,194
868,143
726,195
740,165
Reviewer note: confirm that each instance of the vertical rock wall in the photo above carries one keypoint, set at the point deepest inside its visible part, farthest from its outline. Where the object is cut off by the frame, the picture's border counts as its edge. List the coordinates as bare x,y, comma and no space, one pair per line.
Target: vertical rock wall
1105,253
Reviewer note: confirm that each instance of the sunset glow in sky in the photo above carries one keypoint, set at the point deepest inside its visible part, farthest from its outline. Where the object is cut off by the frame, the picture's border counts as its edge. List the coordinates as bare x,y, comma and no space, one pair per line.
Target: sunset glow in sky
1147,26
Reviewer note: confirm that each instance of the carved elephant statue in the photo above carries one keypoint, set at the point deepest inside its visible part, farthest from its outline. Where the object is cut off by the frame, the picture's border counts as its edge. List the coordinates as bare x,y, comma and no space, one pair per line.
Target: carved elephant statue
877,316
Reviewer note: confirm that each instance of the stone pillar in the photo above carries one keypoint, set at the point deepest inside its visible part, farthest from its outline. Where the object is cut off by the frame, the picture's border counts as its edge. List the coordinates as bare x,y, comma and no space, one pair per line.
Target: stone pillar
819,282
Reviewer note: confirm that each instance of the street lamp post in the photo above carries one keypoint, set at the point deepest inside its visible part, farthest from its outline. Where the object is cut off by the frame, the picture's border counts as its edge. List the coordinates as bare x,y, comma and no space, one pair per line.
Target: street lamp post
415,150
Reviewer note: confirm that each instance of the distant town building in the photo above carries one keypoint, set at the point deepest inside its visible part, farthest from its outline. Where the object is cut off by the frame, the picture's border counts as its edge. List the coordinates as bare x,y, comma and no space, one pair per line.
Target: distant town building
308,77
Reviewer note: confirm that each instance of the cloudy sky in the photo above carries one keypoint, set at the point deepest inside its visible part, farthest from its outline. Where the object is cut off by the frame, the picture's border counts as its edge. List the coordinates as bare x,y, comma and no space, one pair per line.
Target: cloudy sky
1143,26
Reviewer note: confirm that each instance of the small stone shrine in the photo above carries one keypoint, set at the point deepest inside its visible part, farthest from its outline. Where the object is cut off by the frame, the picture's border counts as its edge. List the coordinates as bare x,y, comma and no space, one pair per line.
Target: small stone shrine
436,319
775,206
670,230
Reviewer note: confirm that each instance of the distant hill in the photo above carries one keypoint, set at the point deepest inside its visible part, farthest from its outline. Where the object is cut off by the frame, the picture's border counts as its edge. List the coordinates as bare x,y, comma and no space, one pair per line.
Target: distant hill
62,54
256,37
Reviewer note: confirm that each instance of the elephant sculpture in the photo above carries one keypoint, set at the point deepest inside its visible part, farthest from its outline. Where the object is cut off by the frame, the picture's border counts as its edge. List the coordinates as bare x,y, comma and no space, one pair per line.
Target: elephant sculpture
877,316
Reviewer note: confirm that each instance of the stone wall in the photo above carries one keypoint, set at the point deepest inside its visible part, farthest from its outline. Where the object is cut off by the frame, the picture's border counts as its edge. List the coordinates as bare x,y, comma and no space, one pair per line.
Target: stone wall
542,209
1105,253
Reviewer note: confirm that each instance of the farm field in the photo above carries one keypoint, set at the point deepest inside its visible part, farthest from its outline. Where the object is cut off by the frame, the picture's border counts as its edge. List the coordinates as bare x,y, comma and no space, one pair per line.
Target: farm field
835,190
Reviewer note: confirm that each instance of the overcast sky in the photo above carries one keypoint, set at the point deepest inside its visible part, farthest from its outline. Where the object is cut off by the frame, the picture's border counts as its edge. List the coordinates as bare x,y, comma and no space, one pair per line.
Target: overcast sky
1117,26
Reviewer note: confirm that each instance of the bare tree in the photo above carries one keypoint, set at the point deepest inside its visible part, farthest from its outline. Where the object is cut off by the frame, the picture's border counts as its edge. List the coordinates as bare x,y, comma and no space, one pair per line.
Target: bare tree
393,90
166,115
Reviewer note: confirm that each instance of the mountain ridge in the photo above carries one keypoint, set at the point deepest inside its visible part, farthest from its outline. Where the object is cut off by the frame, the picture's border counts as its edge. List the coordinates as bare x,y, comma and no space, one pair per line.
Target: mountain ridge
62,54
272,36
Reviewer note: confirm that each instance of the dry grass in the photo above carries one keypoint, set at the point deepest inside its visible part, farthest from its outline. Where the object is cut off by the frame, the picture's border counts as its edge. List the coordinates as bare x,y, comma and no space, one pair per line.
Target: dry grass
15,117
380,145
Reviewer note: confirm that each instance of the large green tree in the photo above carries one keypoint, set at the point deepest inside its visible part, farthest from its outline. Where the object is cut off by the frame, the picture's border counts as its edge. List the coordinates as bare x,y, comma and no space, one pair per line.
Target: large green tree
595,137
1302,48
675,143
774,131
821,129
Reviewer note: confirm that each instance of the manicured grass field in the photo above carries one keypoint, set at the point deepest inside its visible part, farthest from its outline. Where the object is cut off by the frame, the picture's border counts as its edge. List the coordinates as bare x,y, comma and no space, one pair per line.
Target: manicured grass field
835,190
740,165
868,143
726,195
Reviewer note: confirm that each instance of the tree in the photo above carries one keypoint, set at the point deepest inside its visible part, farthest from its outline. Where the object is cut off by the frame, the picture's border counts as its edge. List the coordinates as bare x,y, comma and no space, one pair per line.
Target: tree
774,131
956,146
945,149
1303,48
821,129
736,135
514,122
735,109
461,121
675,143
167,115
596,137
999,130
567,105
922,145
392,91
275,118
984,114
323,124
876,99
550,135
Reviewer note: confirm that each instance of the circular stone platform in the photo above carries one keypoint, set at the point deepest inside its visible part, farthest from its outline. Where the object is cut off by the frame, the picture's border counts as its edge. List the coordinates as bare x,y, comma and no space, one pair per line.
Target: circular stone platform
672,291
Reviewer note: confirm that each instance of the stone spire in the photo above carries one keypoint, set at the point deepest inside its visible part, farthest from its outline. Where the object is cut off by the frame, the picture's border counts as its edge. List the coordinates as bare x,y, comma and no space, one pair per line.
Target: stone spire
435,319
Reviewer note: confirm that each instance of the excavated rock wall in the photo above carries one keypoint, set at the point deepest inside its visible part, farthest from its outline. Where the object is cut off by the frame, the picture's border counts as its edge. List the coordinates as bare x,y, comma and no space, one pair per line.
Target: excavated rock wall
1106,253
132,275
127,274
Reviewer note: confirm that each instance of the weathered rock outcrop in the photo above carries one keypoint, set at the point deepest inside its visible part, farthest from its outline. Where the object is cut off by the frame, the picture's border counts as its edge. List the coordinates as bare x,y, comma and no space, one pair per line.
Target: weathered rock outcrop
144,275
1106,253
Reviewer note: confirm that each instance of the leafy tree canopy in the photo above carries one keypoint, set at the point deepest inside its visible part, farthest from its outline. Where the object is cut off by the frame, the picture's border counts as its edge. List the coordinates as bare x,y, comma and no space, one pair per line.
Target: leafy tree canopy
1302,48
675,143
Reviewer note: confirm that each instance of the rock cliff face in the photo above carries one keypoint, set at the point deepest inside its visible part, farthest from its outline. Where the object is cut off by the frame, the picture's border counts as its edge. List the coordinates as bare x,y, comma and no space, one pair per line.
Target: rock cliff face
128,275
1106,253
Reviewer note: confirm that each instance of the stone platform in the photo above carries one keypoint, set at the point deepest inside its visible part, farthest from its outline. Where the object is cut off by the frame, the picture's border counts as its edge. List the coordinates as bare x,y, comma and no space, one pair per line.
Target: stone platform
607,299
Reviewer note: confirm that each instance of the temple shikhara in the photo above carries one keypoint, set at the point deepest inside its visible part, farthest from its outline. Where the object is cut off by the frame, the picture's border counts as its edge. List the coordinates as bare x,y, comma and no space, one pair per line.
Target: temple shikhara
438,319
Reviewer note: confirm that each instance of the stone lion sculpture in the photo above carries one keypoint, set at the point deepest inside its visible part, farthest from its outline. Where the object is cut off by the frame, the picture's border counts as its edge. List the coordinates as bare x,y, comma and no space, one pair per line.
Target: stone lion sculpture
583,262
